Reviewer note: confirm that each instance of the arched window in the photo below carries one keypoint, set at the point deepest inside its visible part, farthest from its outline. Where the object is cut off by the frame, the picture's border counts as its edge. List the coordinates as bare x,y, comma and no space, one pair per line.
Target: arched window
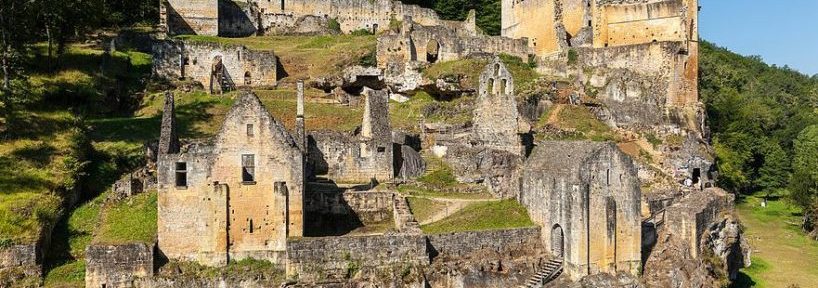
432,51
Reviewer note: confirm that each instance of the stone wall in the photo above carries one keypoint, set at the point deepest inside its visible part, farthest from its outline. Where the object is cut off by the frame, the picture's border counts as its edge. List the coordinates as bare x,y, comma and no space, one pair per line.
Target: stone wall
431,44
521,241
587,197
496,119
241,67
335,257
358,158
690,217
366,206
237,196
198,17
117,265
20,255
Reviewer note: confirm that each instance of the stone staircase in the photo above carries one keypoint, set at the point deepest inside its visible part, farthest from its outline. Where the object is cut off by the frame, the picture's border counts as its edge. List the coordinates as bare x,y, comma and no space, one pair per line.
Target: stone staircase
548,272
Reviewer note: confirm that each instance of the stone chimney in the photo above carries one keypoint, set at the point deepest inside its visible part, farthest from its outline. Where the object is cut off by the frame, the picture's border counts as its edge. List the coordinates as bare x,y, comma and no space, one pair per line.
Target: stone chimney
168,139
376,115
300,131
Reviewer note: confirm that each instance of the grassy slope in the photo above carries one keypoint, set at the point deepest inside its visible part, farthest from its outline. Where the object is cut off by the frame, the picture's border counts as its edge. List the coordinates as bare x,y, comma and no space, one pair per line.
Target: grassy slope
423,208
483,216
578,119
782,253
36,151
70,238
132,220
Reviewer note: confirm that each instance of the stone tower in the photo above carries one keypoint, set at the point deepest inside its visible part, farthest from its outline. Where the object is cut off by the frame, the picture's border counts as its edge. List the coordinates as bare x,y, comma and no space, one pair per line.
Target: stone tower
496,117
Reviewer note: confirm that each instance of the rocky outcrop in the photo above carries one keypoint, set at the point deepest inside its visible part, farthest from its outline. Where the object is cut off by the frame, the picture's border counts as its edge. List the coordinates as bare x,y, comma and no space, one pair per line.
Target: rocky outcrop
725,241
496,169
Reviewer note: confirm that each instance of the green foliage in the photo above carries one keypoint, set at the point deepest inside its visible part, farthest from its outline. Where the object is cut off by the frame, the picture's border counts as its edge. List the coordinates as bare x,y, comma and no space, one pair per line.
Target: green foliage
369,60
653,140
572,56
754,111
804,184
483,216
334,25
395,24
361,32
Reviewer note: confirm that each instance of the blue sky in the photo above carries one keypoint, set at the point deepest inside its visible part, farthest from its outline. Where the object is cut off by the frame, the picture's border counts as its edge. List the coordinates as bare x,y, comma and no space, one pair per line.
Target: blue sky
782,32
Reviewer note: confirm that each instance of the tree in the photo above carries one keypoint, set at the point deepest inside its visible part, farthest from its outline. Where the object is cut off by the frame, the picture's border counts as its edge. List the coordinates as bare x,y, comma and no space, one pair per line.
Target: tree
15,22
804,183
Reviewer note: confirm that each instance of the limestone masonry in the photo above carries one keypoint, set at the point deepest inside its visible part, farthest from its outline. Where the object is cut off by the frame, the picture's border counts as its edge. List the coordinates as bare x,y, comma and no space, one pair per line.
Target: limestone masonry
329,207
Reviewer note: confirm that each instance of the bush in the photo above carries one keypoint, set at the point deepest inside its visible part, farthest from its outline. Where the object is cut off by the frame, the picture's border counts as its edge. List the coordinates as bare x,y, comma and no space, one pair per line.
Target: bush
572,56
334,26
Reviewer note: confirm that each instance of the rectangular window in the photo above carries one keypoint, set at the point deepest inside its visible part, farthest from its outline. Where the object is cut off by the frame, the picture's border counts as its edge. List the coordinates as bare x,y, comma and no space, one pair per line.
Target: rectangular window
381,149
250,130
181,174
248,168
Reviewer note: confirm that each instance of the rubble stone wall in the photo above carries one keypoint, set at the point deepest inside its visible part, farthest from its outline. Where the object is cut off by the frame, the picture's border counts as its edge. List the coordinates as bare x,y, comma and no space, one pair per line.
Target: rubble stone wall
369,207
117,265
332,257
690,217
173,59
464,244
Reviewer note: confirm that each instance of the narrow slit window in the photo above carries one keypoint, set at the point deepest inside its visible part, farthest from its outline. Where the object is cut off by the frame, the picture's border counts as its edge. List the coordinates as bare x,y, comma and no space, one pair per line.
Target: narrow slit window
248,168
250,130
181,174
251,225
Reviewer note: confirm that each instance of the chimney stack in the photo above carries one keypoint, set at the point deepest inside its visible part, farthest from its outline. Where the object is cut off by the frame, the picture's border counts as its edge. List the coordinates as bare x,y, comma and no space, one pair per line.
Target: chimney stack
300,131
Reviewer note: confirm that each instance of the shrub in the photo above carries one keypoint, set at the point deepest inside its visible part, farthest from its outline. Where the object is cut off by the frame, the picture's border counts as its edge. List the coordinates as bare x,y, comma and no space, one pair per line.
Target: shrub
334,25
572,56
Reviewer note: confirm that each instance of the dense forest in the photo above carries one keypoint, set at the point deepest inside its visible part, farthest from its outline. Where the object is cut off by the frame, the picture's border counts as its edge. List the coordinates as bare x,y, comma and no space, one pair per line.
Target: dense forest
763,121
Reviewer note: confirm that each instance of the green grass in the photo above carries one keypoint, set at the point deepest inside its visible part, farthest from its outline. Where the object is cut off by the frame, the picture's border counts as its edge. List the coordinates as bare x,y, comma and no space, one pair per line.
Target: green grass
581,121
782,253
422,107
483,216
423,208
131,220
306,56
66,257
471,68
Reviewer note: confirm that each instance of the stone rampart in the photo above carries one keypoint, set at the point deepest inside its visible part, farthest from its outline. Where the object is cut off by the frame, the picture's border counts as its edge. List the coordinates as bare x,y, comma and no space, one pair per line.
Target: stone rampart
336,257
520,241
690,217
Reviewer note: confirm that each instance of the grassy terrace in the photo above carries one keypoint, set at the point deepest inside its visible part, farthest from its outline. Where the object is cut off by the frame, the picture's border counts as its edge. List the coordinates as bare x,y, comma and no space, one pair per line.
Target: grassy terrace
482,216
782,254
578,120
307,56
470,69
131,220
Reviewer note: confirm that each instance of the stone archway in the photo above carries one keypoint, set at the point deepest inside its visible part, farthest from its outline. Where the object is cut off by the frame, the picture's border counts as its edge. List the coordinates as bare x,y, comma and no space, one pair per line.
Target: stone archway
557,241
432,51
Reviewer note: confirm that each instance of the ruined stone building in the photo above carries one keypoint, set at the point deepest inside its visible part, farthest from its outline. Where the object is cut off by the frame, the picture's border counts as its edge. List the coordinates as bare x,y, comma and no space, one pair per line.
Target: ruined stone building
497,122
235,196
586,196
444,41
363,156
218,67
250,17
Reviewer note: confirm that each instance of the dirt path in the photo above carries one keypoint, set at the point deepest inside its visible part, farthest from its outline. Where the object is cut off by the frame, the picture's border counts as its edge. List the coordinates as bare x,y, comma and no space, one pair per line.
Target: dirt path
554,115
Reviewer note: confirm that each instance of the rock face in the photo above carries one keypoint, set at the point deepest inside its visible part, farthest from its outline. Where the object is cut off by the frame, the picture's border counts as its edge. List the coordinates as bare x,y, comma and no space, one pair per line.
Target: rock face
726,242
699,245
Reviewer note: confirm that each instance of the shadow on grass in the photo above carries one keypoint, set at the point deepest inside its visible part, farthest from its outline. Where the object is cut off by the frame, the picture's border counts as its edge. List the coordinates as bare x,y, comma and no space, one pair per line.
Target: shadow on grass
743,281
13,180
35,126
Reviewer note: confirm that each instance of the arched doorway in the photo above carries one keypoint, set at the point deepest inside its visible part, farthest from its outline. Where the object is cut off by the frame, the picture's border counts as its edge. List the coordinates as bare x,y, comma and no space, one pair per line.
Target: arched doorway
557,241
247,79
432,51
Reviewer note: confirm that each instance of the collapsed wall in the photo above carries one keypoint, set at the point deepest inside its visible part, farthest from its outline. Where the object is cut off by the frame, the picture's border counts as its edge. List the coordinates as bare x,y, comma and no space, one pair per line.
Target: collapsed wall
218,67
118,265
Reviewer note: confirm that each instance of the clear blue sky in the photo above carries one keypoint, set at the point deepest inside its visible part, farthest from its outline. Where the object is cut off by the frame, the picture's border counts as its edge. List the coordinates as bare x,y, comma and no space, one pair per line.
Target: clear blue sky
782,32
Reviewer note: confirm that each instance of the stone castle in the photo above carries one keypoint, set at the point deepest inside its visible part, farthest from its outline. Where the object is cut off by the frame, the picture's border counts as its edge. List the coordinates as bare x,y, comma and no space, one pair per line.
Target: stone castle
259,190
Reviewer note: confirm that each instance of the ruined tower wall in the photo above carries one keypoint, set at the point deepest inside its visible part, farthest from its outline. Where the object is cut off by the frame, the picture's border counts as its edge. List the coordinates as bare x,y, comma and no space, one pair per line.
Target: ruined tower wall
589,192
188,59
532,19
495,115
197,17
